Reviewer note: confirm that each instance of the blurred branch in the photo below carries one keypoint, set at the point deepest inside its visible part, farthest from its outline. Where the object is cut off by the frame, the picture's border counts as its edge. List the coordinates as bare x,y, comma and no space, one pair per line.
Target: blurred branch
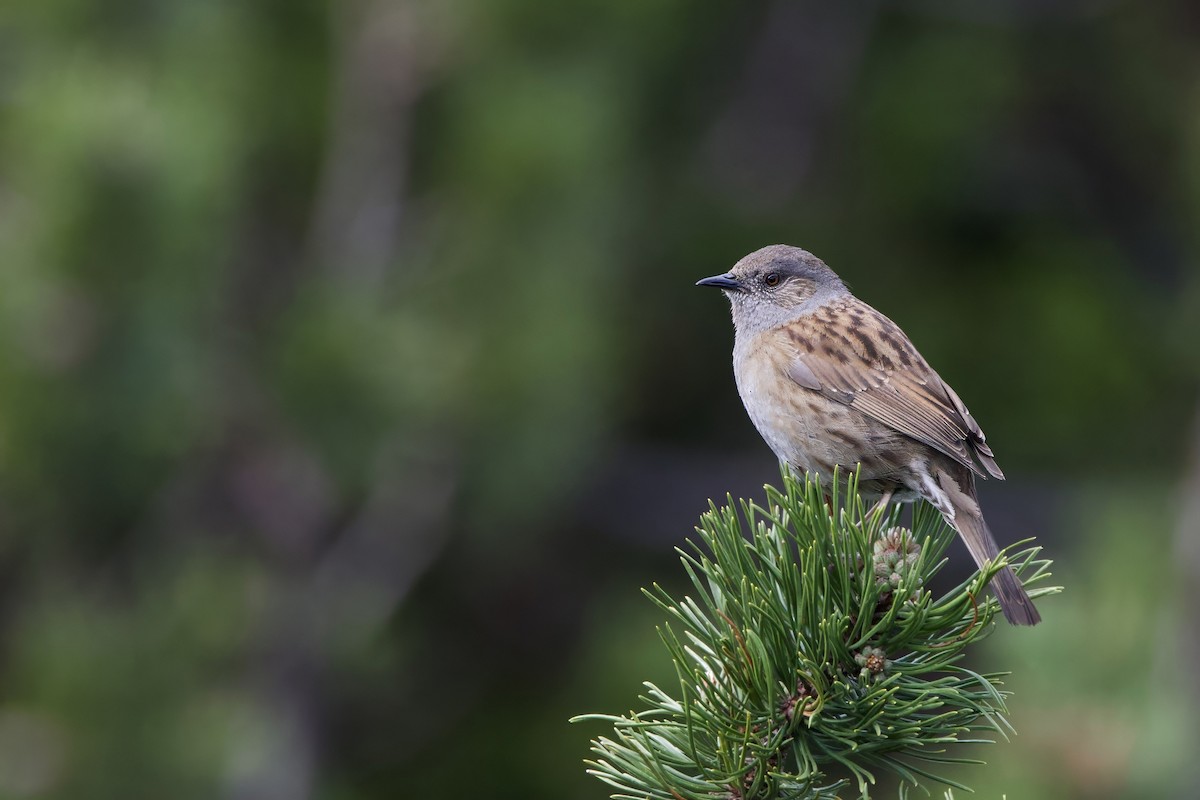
335,603
332,585
795,80
373,565
1187,548
385,55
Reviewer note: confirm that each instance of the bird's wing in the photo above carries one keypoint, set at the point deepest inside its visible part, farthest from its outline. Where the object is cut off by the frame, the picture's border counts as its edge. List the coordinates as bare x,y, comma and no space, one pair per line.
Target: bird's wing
853,354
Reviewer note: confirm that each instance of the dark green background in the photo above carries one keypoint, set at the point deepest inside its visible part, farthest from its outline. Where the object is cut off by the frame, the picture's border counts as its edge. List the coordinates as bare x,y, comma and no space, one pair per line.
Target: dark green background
352,379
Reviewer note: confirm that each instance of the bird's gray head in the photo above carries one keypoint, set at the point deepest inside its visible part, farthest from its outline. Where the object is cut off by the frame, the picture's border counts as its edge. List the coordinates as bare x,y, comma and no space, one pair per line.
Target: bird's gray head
775,285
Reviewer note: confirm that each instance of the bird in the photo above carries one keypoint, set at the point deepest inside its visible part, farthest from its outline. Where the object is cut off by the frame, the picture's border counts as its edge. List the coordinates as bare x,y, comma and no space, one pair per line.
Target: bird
829,382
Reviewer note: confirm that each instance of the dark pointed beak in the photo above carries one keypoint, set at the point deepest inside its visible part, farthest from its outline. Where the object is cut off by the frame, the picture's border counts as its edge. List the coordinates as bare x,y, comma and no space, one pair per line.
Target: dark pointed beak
726,282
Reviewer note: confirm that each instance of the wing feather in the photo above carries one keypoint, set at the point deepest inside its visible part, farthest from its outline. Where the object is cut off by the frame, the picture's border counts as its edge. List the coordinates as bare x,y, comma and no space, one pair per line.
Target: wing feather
853,354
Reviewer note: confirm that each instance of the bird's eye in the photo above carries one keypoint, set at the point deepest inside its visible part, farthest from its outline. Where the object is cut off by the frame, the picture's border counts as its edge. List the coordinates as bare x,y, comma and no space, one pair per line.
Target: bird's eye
771,279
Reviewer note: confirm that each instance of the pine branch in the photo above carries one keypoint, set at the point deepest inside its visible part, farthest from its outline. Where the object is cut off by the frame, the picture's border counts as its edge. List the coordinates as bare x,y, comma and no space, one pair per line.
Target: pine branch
811,657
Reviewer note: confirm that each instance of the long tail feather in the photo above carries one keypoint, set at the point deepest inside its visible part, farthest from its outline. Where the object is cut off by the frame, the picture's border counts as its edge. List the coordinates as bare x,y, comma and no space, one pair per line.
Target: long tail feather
967,519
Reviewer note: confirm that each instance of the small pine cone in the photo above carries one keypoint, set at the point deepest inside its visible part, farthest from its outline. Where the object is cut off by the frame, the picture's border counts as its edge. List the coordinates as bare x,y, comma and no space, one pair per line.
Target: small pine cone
873,662
896,552
798,701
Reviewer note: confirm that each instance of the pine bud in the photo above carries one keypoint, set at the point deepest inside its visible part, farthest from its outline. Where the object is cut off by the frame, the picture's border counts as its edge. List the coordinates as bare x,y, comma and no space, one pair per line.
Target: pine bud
896,553
873,662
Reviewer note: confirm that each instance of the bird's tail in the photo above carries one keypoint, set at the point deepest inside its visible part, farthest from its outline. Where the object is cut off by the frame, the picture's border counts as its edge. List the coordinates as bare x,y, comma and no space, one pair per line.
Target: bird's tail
1015,602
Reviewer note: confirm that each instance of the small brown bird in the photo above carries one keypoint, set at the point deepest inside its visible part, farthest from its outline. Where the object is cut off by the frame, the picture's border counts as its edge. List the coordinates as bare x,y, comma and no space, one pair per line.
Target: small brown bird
829,381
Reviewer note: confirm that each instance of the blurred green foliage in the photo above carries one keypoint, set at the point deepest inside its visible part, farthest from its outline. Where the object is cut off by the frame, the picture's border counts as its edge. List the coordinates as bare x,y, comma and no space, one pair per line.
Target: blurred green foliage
331,332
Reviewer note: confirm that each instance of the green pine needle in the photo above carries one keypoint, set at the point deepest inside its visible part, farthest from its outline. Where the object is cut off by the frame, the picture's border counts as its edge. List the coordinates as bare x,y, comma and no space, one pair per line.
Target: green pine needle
810,656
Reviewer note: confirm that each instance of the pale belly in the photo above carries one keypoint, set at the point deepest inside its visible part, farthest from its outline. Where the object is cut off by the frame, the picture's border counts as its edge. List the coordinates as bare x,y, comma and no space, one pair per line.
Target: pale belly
815,434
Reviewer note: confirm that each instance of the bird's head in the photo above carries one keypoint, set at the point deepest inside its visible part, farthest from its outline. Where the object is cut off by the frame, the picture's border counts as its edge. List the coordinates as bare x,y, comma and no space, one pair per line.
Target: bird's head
775,285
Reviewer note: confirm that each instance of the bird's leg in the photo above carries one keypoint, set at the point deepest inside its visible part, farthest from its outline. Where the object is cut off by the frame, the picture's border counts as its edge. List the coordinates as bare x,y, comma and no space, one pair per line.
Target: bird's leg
881,505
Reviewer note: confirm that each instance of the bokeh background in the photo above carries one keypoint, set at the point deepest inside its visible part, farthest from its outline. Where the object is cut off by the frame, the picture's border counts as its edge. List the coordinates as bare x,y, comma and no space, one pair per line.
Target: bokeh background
352,380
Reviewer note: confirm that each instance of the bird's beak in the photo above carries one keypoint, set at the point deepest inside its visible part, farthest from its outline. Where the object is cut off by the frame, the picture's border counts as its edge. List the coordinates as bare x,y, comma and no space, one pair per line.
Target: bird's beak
726,282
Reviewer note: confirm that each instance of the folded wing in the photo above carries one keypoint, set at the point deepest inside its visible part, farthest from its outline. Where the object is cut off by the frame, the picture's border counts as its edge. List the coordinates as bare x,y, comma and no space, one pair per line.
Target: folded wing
855,355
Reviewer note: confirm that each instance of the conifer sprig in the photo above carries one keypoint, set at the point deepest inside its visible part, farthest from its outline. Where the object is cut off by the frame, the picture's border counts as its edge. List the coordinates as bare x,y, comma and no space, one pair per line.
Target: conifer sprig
811,656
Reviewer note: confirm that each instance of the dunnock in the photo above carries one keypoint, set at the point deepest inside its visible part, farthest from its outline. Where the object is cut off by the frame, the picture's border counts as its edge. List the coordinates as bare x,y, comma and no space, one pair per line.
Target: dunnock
829,381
